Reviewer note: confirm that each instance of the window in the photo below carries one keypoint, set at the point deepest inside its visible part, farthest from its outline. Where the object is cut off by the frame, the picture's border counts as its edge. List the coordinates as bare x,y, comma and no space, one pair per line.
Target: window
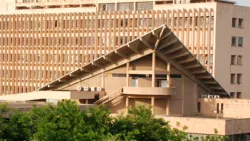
107,7
239,78
232,94
234,20
233,60
162,83
241,24
218,108
118,75
232,78
234,41
125,6
134,82
240,41
221,108
238,95
239,60
144,6
198,107
175,75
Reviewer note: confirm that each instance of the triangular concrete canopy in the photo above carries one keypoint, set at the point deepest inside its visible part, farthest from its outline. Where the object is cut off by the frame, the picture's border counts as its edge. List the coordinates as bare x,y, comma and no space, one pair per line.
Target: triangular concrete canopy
167,47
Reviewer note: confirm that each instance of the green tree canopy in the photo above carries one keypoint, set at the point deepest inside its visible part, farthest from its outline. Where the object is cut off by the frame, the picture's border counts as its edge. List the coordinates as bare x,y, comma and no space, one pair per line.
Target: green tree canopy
65,122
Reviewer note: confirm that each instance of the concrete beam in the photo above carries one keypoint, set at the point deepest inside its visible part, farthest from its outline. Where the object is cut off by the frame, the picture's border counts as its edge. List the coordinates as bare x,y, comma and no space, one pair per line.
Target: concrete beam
146,43
110,60
188,60
96,65
193,66
176,48
181,55
166,43
204,77
199,72
121,54
210,82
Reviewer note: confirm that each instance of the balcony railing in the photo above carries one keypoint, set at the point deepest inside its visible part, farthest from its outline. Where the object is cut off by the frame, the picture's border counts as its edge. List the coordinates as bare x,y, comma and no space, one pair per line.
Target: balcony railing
149,91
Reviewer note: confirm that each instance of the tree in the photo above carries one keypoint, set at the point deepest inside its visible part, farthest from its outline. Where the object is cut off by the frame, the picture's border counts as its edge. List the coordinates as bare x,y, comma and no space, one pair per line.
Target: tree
65,122
140,124
15,126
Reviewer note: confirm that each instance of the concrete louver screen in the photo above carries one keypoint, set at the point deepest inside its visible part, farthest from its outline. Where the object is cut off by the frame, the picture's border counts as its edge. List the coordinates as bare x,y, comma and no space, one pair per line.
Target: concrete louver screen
167,46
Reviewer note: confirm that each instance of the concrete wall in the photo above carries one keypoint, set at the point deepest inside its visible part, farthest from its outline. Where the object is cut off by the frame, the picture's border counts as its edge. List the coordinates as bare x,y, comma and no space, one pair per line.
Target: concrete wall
199,125
232,108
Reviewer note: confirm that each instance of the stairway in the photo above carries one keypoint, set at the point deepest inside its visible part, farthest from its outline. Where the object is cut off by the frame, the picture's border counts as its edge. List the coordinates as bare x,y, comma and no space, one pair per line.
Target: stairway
109,97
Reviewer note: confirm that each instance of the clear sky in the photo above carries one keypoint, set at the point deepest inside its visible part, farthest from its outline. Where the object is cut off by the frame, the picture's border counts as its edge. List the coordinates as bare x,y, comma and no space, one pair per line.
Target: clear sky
243,2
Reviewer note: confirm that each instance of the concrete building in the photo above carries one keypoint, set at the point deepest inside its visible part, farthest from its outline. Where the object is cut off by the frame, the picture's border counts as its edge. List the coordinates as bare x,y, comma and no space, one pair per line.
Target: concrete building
42,40
155,70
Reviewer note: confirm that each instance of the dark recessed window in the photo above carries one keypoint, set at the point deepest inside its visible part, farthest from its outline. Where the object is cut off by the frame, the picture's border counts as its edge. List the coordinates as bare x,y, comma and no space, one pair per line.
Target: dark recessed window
118,75
240,41
234,41
175,75
234,21
241,23
198,107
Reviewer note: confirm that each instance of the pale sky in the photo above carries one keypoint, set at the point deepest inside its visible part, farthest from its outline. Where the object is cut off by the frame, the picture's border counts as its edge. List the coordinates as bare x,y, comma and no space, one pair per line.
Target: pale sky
243,2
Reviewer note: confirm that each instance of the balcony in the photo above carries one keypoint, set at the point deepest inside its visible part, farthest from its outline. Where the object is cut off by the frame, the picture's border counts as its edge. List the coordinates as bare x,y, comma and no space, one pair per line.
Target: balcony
155,91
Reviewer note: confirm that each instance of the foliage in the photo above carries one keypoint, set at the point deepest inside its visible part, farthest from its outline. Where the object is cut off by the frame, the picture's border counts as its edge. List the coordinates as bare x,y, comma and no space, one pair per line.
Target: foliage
65,122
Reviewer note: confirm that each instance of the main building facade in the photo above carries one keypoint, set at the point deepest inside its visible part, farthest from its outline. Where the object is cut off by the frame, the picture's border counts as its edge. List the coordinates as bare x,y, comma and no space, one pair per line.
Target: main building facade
43,40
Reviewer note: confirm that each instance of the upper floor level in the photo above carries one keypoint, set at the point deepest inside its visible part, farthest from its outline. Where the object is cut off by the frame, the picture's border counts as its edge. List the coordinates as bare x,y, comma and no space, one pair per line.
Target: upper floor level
56,6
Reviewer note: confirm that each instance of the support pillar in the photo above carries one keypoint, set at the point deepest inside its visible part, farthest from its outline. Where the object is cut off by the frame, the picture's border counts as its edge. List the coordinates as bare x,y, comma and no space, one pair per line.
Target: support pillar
168,106
153,69
168,76
102,83
152,105
127,74
126,106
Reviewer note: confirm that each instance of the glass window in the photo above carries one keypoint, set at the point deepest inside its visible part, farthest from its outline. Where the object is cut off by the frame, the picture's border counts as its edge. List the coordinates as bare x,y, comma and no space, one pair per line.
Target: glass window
239,60
240,25
144,5
240,41
198,107
239,78
233,58
232,78
218,108
234,22
125,6
221,107
106,7
234,40
162,83
232,94
134,82
238,95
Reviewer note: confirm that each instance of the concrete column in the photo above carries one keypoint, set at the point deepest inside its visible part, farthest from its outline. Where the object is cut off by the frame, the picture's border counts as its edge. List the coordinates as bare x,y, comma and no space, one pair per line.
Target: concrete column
153,69
102,83
127,103
168,76
127,75
87,101
168,106
152,104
